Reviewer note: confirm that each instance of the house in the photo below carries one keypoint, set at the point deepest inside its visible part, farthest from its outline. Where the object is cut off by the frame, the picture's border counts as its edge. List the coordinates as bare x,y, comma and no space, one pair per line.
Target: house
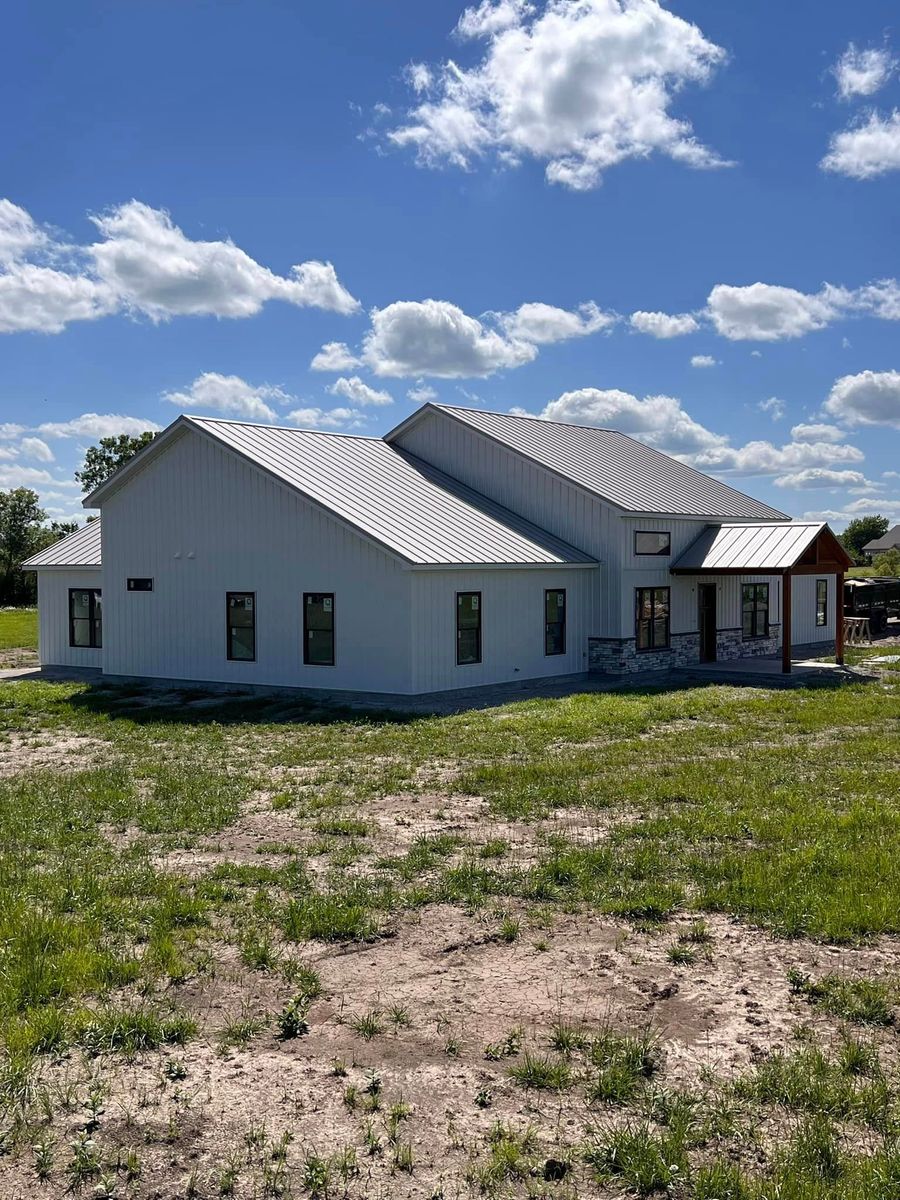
463,548
890,541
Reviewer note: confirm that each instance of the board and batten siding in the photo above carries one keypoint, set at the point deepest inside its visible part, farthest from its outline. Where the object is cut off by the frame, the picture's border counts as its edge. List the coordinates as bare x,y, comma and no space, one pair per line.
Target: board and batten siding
512,629
201,522
53,616
803,610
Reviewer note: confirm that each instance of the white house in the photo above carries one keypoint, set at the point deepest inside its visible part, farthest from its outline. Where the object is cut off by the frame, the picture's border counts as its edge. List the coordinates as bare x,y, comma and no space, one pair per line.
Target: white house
463,548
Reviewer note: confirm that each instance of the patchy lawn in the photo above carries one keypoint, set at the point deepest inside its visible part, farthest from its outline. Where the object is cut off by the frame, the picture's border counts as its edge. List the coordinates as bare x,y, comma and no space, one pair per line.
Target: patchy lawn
18,636
634,944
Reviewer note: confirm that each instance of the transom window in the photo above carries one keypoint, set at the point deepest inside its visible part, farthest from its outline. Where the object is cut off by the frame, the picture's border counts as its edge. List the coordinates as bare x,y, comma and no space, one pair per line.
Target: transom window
318,629
652,618
555,621
755,610
652,542
241,617
86,618
821,602
468,628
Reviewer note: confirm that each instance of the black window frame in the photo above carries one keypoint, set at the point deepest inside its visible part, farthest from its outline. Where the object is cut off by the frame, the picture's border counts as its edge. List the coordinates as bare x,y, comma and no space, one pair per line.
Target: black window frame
132,580
229,628
548,592
307,661
652,621
821,603
93,621
665,553
470,662
759,589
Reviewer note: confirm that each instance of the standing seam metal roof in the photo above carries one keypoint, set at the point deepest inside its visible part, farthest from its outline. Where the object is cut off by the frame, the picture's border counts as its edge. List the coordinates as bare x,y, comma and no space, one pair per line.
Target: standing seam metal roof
78,549
753,548
399,501
615,467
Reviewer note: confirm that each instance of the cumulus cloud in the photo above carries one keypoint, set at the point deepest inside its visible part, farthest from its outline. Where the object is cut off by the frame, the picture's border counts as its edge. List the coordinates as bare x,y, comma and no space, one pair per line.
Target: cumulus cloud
335,356
434,337
773,406
764,312
421,393
230,395
869,398
543,324
580,85
30,477
866,149
9,429
36,448
318,418
357,392
863,72
663,325
816,432
821,477
143,264
97,425
703,360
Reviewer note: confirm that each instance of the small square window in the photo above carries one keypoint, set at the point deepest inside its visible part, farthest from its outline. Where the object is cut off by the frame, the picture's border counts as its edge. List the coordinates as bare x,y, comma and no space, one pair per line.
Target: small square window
652,542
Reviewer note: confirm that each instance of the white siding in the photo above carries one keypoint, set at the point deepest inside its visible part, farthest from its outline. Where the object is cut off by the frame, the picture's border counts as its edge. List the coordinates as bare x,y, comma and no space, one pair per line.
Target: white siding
803,610
512,631
201,522
53,617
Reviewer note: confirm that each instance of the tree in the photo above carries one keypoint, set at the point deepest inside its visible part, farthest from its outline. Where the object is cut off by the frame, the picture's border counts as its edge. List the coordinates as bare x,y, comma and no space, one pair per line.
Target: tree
860,531
887,563
102,460
23,533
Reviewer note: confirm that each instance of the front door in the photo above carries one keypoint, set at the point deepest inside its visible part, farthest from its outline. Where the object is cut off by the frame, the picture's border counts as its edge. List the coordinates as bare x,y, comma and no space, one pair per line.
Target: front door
707,621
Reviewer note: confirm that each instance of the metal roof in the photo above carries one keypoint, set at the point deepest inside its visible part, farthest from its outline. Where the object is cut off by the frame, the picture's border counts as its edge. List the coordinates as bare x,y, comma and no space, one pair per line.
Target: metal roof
628,474
752,548
889,541
78,549
399,501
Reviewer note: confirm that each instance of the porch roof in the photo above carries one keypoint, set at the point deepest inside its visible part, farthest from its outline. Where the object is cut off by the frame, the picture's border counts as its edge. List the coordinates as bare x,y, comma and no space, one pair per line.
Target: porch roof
759,548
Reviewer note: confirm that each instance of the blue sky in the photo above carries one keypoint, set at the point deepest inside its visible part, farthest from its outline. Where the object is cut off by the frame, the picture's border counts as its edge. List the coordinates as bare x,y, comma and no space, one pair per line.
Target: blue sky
681,221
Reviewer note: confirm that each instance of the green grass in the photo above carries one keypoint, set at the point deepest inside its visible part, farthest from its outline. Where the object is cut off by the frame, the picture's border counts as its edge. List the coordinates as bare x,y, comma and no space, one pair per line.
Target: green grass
865,1001
18,629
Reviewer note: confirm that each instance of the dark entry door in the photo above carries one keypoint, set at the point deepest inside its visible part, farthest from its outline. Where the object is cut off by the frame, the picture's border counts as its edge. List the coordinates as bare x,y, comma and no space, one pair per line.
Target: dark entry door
707,602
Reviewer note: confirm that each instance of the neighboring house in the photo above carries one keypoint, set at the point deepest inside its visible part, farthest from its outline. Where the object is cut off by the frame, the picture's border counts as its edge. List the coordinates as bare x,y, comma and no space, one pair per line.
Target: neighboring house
890,541
463,548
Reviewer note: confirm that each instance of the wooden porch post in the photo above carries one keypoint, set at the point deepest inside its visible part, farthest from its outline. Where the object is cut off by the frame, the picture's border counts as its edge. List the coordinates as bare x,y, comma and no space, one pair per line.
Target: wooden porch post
786,624
839,621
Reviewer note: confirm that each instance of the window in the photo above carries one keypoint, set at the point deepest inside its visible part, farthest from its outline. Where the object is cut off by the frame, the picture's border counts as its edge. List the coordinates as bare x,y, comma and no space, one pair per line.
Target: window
140,585
318,629
241,608
85,618
554,622
755,606
652,618
468,628
652,543
821,602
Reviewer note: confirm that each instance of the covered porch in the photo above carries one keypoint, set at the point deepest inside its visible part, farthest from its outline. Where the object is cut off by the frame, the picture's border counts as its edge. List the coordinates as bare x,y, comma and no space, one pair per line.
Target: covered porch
783,549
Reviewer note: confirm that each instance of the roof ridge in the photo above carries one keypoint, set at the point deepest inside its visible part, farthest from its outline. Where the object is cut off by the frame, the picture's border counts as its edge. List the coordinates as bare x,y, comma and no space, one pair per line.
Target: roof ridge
336,433
492,412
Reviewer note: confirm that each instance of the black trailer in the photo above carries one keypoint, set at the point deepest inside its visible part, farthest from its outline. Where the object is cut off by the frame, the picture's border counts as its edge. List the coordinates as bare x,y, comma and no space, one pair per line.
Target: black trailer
877,598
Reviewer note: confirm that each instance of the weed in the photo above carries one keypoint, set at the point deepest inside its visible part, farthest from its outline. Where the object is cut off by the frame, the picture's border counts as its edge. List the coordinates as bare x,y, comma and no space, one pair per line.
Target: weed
367,1025
541,1071
865,1001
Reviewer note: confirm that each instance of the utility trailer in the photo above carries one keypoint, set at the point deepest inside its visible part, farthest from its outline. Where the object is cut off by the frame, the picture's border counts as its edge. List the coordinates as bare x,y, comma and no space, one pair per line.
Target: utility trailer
877,598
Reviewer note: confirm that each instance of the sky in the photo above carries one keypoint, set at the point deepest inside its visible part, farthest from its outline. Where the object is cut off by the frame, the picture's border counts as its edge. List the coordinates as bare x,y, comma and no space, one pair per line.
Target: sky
678,220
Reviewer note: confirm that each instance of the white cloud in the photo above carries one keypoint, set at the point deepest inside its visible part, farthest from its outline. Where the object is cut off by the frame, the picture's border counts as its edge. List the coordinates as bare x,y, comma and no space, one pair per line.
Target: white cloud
19,235
34,447
868,504
10,430
357,392
421,393
155,269
543,324
231,395
664,325
581,85
97,425
317,418
881,299
43,300
869,148
869,398
703,360
863,72
764,312
30,477
773,406
821,477
335,356
816,432
434,337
